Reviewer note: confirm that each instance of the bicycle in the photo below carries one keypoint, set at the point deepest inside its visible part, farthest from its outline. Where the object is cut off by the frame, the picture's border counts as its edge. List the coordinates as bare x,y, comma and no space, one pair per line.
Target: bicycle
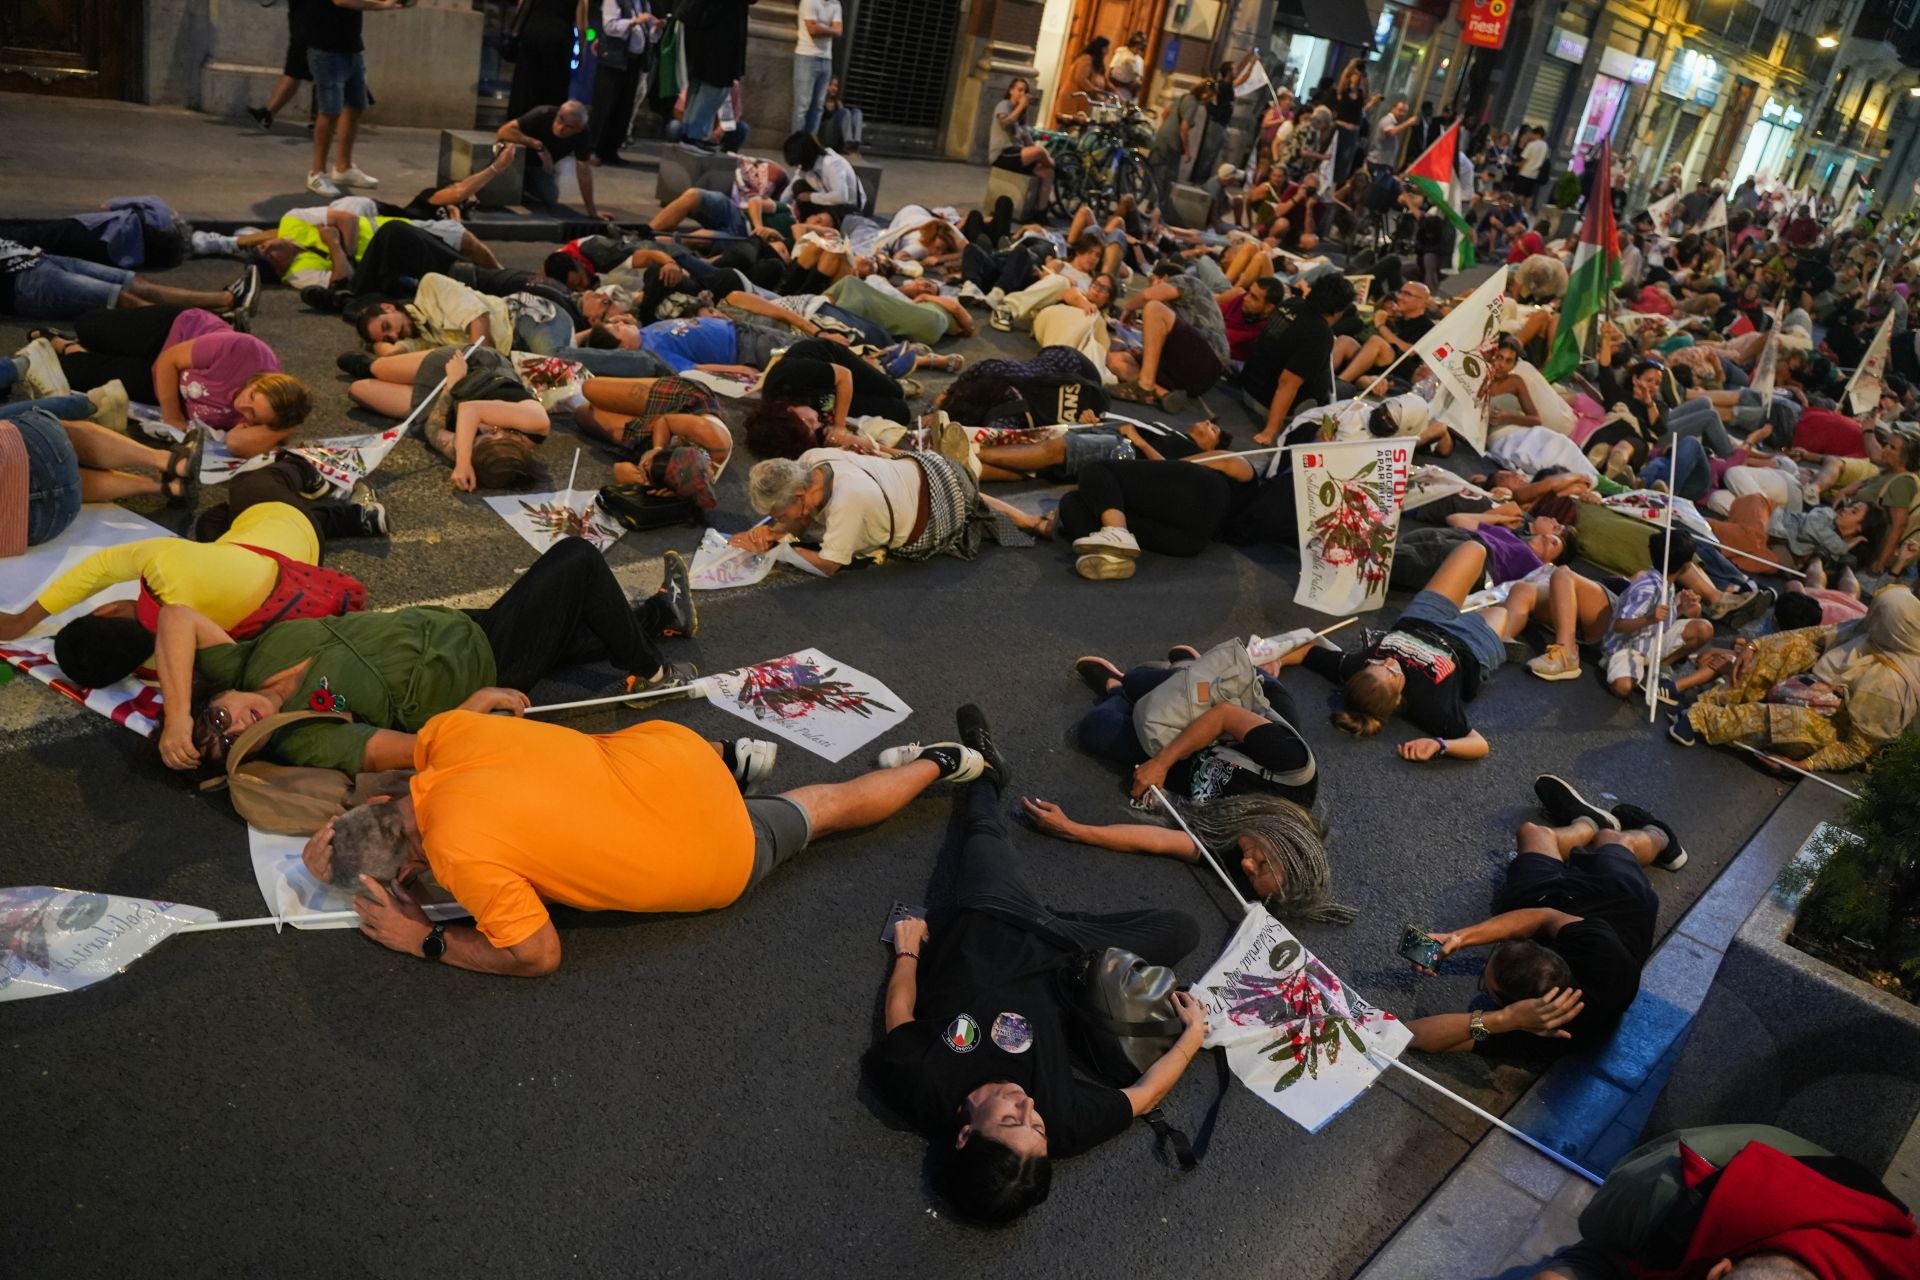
1101,158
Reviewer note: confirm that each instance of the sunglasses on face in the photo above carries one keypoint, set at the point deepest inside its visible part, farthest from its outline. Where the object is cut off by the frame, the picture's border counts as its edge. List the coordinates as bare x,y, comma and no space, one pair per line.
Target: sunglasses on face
221,722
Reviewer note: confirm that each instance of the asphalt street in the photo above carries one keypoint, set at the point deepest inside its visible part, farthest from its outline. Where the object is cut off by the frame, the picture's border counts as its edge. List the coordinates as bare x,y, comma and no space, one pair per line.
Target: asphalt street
683,1097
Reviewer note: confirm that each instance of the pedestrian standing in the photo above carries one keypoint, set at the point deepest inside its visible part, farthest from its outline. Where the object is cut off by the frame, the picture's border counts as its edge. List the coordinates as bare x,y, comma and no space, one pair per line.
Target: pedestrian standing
1534,155
1177,144
1127,73
544,32
813,61
714,40
626,27
337,60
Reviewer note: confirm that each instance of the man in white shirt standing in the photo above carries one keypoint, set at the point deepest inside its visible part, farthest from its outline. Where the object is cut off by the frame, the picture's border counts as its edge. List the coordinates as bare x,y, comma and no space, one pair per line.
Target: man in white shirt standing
1128,70
813,61
1533,166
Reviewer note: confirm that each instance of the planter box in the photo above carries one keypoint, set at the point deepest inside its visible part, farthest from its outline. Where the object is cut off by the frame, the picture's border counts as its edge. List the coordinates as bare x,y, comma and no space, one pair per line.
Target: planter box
1789,1040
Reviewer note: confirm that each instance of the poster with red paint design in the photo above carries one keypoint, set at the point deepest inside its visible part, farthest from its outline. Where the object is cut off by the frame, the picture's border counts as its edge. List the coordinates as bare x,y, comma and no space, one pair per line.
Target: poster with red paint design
1483,23
1347,499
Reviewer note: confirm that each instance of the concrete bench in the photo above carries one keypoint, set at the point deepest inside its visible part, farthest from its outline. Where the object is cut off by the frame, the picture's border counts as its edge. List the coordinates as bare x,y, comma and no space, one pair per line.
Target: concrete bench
1188,206
1021,188
692,171
464,152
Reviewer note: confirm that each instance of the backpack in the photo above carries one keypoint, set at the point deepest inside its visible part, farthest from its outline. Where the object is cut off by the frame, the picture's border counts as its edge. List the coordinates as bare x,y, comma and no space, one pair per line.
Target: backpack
288,799
636,508
299,591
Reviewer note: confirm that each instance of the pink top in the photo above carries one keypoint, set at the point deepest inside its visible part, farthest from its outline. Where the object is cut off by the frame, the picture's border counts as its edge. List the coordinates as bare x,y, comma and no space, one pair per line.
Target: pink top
1837,607
223,362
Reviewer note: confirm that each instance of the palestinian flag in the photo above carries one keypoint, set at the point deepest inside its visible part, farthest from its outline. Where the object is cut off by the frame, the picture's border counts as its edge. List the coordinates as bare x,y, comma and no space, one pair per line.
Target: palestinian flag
1596,273
1432,176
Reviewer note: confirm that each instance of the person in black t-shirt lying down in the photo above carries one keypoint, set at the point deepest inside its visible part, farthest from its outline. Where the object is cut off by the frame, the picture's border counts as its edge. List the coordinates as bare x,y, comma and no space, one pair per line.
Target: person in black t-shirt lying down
1574,926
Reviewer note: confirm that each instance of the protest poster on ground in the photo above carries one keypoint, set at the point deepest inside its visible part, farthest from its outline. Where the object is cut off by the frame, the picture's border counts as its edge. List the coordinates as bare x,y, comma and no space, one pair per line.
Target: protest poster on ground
717,566
545,518
1292,1031
1458,350
808,698
293,895
23,577
1863,389
53,941
1347,498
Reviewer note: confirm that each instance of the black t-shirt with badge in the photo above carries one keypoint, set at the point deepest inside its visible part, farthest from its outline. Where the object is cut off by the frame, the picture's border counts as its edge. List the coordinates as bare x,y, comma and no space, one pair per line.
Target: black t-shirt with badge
987,1011
1439,679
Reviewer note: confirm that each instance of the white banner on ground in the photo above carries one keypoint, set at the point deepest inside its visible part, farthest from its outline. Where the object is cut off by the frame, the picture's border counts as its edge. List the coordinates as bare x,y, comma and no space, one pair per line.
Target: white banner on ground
22,579
292,894
545,518
717,566
1863,389
808,698
343,461
1347,499
1457,350
1292,1031
57,940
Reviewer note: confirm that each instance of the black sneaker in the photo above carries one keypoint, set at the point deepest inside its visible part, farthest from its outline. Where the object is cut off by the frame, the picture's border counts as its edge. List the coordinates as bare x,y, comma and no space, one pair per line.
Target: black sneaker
975,733
1183,653
678,589
261,116
246,290
1564,803
1096,673
321,298
373,519
356,364
1633,817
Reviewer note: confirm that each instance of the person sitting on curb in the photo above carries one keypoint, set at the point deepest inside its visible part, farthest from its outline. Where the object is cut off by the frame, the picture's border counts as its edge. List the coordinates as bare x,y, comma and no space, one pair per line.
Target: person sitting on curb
1574,926
395,669
975,1051
513,814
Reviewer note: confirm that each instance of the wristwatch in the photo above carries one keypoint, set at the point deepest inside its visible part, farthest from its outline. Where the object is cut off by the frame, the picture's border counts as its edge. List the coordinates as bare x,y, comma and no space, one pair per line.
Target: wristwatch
434,945
1477,1028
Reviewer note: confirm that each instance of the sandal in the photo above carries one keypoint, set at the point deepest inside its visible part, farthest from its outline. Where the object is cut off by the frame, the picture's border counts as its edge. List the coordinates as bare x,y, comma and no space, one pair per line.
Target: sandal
181,485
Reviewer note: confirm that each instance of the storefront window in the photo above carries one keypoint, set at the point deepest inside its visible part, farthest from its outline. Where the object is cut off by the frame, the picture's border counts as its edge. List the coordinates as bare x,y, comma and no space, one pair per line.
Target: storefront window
1694,76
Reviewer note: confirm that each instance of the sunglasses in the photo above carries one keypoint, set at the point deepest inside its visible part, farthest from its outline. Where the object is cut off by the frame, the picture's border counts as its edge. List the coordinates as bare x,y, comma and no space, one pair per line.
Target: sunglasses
220,720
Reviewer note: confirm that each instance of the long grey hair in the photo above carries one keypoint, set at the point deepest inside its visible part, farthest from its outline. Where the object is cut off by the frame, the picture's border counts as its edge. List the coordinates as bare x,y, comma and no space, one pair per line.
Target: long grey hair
1294,838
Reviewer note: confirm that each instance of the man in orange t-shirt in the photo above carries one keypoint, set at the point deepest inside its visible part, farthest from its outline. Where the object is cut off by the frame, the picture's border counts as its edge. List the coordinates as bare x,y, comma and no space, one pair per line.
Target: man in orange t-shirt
512,814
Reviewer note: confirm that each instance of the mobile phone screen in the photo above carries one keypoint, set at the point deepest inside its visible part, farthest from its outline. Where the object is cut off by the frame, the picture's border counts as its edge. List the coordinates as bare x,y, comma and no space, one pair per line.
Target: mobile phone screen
1418,948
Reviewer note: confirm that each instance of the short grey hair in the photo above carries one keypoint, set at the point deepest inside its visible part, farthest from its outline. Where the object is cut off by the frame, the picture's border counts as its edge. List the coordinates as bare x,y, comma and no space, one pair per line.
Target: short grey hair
775,482
572,109
370,840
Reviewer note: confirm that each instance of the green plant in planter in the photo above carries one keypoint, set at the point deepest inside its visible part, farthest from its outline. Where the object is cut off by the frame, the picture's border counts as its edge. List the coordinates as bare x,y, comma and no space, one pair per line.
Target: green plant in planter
1865,900
1566,191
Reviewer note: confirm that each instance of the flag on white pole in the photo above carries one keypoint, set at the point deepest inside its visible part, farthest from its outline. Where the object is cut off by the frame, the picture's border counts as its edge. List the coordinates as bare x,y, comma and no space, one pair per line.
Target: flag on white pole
1347,499
1863,389
1716,219
1292,1031
1661,210
1457,350
57,940
1256,81
1766,367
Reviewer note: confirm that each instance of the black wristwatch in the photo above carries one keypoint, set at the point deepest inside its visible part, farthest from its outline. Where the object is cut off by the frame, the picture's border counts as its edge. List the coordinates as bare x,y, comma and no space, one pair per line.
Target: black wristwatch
434,945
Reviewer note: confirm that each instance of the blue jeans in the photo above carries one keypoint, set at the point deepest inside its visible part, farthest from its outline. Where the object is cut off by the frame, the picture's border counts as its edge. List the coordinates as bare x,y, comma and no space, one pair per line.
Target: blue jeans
810,75
874,334
1480,641
1107,730
1699,420
732,140
703,109
57,288
543,338
1688,461
842,130
541,185
617,364
339,81
53,475
72,407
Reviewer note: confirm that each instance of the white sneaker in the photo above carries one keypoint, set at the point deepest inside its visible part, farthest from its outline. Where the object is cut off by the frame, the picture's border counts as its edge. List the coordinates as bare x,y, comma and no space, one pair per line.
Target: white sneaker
1111,540
318,184
211,244
894,757
354,177
996,296
1001,319
972,763
753,759
43,376
1103,568
970,292
110,405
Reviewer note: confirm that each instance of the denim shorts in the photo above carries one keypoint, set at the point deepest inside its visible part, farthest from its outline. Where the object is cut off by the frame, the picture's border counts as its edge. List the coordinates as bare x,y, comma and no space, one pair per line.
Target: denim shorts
718,212
781,829
57,288
53,476
339,81
1469,629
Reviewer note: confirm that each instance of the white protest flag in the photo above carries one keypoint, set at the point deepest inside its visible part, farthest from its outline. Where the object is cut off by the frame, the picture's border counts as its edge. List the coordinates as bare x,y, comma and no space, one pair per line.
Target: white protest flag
1661,210
1863,389
1766,368
808,698
1457,350
1716,219
545,518
57,940
342,461
1256,81
1327,183
1347,500
718,566
1292,1031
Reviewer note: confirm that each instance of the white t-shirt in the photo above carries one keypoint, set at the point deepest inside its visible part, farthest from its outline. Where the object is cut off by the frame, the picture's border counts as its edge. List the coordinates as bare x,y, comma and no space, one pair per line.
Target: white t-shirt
824,12
1533,158
875,503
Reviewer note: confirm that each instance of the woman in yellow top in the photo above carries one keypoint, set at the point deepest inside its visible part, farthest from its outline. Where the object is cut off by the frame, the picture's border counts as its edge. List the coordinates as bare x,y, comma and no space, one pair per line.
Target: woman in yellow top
223,580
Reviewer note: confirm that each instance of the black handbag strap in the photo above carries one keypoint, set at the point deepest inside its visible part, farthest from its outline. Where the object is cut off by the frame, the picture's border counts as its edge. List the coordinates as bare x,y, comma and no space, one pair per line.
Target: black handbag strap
1189,1153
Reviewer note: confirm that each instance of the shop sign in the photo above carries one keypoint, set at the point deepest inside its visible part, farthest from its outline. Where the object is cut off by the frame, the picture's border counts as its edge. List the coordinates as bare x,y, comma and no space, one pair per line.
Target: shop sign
1567,46
1484,22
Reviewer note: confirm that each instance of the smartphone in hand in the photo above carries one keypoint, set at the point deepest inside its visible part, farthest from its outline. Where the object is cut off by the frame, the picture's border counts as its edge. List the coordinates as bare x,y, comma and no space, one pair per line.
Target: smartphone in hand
1418,947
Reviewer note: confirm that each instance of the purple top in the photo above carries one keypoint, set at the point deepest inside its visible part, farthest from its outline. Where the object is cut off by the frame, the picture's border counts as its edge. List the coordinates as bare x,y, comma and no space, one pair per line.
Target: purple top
1509,559
223,362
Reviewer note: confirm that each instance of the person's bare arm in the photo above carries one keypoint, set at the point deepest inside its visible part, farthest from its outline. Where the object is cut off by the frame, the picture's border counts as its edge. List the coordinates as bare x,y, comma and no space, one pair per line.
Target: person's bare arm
583,172
469,186
340,233
1157,1081
15,625
1121,837
180,633
842,396
251,441
1204,730
1277,412
166,382
1896,530
396,922
1472,747
909,941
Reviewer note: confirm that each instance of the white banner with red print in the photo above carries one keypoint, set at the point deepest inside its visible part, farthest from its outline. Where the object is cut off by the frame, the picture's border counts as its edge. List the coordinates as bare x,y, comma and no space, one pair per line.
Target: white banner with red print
1347,500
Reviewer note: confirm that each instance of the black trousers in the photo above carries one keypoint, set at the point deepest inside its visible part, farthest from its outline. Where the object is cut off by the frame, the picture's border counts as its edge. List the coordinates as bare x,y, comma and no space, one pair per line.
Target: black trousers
568,608
396,257
613,91
120,343
1172,508
873,391
990,881
1009,271
289,480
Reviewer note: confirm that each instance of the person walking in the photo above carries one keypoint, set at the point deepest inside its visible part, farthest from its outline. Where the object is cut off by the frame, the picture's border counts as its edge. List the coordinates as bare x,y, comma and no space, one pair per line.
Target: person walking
813,61
626,26
294,71
545,31
337,60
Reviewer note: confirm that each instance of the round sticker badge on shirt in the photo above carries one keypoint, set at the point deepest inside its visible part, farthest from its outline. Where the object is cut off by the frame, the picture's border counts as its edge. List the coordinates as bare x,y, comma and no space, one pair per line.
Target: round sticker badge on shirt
1012,1033
963,1034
